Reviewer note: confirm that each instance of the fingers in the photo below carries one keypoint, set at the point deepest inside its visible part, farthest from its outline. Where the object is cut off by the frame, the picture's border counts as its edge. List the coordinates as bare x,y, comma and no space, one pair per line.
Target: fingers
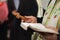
27,20
30,19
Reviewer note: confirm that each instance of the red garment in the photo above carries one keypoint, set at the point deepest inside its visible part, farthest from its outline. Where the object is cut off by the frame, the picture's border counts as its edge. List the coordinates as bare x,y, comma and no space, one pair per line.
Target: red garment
3,11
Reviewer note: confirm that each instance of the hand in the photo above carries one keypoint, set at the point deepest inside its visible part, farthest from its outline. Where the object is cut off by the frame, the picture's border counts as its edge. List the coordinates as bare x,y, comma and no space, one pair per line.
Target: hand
30,19
50,36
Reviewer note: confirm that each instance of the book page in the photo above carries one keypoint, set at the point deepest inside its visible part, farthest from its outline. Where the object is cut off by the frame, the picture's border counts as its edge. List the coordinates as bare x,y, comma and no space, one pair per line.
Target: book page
37,27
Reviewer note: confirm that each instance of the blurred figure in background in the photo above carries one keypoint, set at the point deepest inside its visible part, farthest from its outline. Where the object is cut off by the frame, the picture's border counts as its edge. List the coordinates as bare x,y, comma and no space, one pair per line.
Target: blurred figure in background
3,19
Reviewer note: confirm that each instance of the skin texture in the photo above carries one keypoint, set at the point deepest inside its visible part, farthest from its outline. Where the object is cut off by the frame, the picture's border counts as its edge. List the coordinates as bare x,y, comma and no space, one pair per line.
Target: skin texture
29,19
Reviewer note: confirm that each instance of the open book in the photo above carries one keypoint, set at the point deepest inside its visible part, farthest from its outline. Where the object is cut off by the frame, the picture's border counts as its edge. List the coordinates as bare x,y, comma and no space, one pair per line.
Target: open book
37,27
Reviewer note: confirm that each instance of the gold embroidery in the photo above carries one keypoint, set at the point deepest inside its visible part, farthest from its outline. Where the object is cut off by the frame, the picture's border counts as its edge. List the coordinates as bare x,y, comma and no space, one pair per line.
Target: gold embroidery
58,23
